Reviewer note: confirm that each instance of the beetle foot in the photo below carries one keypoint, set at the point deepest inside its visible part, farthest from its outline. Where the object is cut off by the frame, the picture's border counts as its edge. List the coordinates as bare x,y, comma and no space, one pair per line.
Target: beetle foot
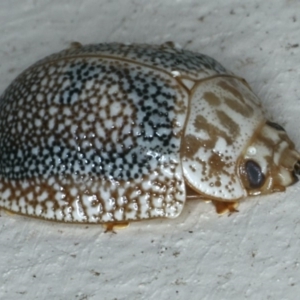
224,207
109,227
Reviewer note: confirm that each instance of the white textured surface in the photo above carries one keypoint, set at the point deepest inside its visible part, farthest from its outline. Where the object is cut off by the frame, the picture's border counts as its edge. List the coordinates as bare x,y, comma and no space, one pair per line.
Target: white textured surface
253,254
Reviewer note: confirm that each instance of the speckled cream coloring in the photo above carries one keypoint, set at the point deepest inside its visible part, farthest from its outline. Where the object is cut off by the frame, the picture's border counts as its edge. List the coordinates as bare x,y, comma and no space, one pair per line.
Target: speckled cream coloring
113,133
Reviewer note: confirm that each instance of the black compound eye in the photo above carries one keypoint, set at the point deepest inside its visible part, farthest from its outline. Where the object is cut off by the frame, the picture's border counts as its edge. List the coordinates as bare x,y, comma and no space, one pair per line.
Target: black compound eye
254,174
275,125
297,168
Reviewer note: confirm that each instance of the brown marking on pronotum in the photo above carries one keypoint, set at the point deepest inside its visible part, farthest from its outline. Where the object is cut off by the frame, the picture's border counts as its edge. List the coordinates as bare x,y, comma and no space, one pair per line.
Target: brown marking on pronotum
244,110
228,123
224,85
211,98
191,145
214,132
217,165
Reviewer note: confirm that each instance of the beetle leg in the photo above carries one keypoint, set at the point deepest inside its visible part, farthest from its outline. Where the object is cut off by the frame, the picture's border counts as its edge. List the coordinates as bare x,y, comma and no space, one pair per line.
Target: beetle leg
109,227
223,207
8,212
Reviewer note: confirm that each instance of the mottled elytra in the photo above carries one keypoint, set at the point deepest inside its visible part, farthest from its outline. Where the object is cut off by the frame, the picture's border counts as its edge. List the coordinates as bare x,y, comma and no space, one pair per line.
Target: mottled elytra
113,133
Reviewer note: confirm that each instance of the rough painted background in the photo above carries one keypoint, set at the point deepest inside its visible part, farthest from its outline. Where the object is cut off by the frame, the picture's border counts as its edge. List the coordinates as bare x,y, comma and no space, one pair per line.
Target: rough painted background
253,254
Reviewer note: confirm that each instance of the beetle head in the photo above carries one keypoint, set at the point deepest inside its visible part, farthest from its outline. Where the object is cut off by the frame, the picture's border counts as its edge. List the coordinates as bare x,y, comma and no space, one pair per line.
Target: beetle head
270,162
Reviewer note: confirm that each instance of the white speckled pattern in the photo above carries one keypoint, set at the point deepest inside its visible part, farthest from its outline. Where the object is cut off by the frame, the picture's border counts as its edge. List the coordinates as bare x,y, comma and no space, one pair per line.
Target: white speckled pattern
224,117
111,133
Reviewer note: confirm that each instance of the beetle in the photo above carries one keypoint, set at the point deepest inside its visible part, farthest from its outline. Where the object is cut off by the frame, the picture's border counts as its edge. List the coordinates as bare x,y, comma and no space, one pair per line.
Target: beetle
113,133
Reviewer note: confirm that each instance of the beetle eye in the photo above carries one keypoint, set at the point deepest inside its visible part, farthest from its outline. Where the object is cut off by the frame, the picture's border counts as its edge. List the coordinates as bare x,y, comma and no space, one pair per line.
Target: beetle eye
275,125
297,168
254,174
